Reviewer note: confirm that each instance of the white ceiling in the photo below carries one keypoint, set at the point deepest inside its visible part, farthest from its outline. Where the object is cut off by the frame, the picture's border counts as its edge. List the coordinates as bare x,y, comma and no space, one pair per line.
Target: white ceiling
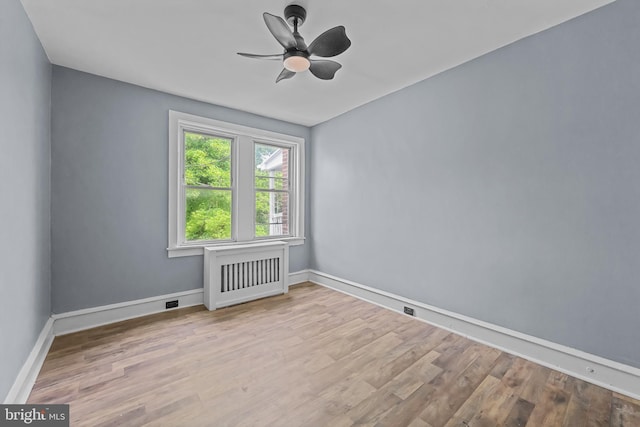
188,47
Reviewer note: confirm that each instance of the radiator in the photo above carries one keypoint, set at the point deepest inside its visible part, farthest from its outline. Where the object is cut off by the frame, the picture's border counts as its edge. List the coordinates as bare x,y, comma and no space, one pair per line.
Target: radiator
240,273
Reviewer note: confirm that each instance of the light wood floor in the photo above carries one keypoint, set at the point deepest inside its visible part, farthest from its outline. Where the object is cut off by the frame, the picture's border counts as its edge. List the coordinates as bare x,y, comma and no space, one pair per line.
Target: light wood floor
314,357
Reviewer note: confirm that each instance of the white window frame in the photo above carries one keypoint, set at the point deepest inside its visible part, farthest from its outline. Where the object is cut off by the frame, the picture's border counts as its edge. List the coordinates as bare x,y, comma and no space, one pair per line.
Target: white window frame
243,143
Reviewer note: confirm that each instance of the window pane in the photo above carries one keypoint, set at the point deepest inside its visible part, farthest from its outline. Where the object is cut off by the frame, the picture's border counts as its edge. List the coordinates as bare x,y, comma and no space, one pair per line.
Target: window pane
272,214
272,167
208,214
207,160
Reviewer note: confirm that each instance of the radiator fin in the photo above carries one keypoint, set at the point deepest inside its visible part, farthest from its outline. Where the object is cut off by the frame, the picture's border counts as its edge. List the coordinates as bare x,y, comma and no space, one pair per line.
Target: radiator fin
242,275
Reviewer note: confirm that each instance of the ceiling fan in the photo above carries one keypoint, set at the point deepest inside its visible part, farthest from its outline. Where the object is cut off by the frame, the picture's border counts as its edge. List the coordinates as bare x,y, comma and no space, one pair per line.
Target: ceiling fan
297,55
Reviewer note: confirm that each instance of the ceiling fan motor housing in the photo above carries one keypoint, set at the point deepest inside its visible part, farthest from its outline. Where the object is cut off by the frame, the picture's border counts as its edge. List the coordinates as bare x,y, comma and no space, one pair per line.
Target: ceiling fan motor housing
291,53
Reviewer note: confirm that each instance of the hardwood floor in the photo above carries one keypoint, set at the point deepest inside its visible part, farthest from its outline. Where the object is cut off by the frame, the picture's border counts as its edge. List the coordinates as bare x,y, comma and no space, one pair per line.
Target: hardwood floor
314,357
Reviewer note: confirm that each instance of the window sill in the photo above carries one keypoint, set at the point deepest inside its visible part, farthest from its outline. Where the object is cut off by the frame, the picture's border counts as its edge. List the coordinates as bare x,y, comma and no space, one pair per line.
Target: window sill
199,250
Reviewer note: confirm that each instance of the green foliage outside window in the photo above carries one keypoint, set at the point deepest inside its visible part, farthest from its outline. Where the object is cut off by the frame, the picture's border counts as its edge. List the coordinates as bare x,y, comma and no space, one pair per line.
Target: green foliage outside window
265,180
262,214
208,211
207,162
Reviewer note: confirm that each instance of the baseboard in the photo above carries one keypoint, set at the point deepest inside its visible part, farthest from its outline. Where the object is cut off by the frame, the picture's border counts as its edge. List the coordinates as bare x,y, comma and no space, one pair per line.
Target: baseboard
606,373
79,320
19,392
298,277
594,369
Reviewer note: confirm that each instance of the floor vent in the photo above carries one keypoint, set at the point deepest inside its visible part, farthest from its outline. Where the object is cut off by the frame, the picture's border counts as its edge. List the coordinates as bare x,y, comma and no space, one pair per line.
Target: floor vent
235,274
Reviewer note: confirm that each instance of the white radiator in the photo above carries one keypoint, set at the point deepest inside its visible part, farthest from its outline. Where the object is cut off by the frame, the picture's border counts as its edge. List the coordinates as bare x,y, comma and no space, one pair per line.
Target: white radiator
235,274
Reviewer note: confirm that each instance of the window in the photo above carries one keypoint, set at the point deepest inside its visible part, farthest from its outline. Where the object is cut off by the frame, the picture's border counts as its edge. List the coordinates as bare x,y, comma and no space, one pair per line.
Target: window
232,184
207,187
272,190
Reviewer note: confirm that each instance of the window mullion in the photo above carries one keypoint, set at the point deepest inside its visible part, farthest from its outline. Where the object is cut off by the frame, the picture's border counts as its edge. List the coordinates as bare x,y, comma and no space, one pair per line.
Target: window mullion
244,189
293,191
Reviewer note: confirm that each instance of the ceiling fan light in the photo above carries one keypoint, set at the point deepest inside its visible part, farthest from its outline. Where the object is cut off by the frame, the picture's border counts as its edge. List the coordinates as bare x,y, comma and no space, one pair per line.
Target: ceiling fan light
297,63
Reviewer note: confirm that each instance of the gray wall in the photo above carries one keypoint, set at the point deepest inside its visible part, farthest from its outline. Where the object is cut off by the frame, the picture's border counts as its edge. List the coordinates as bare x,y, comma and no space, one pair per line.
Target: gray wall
506,189
109,191
25,93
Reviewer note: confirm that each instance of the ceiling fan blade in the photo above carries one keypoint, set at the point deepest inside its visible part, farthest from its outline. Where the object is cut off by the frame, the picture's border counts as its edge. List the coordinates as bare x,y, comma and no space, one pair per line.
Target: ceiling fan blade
280,30
285,74
330,43
324,69
276,57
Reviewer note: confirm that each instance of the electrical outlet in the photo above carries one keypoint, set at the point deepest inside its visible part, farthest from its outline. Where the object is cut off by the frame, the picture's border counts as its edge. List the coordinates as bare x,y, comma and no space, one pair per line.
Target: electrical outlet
409,311
171,304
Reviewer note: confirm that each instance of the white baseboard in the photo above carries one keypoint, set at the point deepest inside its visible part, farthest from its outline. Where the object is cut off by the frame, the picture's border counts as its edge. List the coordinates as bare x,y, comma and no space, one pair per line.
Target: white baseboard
80,320
606,373
19,392
74,321
603,372
298,277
